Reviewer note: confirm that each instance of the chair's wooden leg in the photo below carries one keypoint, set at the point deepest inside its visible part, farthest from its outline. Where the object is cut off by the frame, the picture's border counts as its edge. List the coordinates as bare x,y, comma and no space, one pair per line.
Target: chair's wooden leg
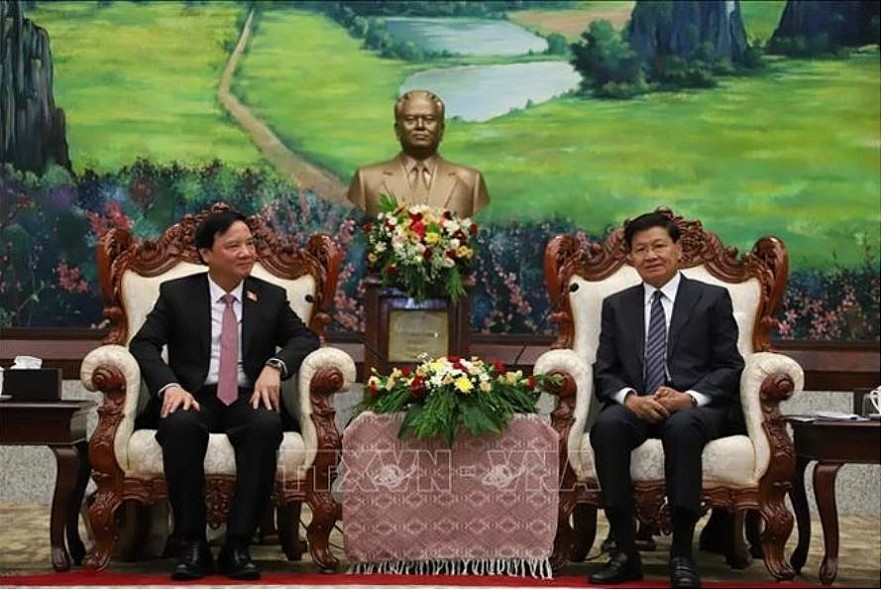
564,534
101,515
717,532
134,531
585,527
325,513
778,523
752,531
288,516
737,557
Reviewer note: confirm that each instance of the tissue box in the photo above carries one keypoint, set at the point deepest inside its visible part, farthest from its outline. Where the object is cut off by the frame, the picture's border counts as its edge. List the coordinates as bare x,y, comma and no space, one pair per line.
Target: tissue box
32,385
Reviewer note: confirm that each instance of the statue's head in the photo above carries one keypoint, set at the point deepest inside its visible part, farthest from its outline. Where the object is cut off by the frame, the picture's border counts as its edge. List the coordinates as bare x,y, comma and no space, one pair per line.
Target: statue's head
420,123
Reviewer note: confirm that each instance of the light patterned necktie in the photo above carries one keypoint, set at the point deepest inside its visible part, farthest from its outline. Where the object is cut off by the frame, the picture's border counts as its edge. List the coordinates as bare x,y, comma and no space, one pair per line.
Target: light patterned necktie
228,382
421,179
654,351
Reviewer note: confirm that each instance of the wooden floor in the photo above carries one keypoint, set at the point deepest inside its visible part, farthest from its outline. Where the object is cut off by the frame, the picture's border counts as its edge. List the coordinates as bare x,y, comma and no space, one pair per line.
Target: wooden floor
24,548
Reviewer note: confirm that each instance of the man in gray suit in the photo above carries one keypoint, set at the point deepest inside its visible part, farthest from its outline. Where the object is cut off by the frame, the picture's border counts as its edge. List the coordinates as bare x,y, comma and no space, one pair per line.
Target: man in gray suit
418,175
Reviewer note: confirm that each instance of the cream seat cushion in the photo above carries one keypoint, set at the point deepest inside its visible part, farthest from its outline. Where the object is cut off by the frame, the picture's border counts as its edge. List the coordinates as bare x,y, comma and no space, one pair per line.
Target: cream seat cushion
145,455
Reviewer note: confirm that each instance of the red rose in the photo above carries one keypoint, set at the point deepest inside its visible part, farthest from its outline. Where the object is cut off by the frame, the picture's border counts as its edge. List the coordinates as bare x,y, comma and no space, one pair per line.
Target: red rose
532,382
406,371
415,216
418,228
427,254
452,254
473,229
453,358
499,367
391,269
372,389
418,387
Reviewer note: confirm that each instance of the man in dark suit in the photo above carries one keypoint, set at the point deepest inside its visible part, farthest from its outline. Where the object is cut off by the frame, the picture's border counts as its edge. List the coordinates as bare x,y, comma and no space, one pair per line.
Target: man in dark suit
667,367
222,329
418,175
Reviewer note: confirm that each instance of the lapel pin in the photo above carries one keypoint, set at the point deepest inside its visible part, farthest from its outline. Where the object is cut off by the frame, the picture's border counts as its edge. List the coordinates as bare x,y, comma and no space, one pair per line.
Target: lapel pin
252,295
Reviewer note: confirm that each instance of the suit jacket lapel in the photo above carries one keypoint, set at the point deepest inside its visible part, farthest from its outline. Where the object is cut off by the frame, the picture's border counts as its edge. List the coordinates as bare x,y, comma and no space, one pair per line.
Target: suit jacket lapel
395,179
249,308
634,321
686,299
202,300
444,181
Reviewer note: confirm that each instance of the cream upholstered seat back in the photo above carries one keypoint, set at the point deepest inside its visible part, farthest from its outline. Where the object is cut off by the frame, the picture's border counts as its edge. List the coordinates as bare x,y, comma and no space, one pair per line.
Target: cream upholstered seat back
586,297
139,293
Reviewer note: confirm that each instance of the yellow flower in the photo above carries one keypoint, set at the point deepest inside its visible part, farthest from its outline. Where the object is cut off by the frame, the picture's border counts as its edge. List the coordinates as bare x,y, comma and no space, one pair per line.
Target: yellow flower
464,252
513,377
485,386
463,384
372,257
431,238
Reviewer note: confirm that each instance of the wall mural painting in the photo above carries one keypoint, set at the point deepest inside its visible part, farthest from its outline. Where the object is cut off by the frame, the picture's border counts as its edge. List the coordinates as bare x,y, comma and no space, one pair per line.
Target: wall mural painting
755,117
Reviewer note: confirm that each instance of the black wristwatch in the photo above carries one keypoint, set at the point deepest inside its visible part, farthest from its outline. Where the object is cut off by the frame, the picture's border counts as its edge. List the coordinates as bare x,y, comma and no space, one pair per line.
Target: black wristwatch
277,364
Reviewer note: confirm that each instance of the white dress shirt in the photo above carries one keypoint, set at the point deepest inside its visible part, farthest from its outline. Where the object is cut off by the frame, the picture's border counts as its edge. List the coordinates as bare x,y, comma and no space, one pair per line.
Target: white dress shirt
669,292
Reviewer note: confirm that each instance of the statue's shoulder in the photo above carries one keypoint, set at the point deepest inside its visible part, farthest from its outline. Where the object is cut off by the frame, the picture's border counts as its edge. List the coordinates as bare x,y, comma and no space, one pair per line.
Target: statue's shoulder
380,167
460,169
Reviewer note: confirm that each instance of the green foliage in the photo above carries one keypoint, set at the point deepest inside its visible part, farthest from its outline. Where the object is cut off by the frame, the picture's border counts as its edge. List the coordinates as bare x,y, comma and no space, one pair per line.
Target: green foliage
444,395
606,62
557,44
813,46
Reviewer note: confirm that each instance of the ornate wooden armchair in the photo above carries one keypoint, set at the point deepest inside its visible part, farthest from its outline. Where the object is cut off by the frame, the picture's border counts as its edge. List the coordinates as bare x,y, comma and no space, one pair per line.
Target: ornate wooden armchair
127,463
744,473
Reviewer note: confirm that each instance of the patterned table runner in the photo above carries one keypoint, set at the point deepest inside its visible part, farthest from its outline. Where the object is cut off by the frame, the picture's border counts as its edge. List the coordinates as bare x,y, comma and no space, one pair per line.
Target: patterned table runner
487,506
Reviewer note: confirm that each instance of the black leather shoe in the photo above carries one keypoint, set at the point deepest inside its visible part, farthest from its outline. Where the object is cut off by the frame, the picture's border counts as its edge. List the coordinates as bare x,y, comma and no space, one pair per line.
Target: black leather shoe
235,562
195,561
683,573
621,568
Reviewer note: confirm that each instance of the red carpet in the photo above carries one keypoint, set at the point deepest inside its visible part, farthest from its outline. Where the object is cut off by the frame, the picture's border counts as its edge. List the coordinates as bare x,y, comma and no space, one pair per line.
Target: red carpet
81,578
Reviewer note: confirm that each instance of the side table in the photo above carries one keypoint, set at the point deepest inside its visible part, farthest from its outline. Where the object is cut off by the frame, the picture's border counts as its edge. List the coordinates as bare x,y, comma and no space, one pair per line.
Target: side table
831,443
61,426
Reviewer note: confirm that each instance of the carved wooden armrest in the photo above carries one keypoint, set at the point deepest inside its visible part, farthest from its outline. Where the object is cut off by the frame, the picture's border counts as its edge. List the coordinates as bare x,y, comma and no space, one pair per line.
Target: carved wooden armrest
574,399
768,380
112,370
324,372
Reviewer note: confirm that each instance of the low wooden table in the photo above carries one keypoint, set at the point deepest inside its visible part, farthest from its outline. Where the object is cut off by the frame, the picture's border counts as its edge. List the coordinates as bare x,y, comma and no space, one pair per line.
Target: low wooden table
61,426
831,443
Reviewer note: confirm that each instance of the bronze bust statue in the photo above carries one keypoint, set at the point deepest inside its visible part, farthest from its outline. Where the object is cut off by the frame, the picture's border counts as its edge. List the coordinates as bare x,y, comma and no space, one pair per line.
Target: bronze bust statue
418,174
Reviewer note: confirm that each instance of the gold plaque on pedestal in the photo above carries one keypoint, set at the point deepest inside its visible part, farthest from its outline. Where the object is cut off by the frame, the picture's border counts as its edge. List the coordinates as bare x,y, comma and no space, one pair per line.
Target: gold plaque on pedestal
413,332
398,328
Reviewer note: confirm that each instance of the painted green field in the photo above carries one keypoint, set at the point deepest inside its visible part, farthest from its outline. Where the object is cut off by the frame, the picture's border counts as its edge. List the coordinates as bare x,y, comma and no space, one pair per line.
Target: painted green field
794,151
140,80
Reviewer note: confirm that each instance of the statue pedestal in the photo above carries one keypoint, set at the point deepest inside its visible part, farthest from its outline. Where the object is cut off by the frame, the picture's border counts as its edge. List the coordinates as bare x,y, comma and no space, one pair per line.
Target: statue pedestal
398,328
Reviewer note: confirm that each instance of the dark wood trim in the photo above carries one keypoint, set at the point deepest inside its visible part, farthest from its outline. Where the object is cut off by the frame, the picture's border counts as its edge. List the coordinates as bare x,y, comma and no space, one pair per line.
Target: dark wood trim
828,365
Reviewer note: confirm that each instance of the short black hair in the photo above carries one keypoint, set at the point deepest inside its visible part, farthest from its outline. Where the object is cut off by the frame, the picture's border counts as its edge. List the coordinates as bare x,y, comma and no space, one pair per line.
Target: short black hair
214,224
650,220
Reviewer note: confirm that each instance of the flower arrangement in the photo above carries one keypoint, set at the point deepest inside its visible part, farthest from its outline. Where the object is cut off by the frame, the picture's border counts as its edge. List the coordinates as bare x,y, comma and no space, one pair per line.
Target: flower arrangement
442,395
421,250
